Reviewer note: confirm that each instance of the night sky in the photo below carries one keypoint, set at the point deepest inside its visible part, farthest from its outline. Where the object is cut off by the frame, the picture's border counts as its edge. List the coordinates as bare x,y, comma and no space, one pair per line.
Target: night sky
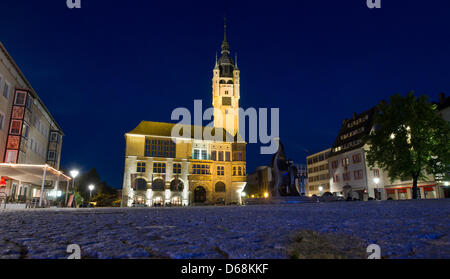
103,68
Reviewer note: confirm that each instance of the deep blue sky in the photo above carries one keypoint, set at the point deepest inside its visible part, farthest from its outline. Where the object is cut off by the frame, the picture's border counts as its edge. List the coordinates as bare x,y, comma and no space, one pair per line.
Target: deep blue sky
102,69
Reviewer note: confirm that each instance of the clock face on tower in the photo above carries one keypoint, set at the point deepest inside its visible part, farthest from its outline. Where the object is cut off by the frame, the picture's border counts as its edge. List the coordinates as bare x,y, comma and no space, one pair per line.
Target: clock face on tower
226,101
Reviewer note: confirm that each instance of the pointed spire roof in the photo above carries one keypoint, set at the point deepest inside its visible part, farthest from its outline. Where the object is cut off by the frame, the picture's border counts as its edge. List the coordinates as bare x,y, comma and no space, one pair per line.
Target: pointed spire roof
225,45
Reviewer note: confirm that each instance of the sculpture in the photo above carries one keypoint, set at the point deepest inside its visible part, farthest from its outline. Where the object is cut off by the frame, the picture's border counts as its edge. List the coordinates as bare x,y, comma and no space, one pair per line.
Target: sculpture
287,180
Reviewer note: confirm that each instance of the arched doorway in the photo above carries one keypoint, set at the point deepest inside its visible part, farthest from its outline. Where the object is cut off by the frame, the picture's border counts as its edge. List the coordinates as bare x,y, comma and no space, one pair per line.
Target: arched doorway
199,195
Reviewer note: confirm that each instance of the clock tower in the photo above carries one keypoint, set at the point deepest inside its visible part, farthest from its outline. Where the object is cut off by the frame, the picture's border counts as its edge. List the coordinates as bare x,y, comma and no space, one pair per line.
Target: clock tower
226,92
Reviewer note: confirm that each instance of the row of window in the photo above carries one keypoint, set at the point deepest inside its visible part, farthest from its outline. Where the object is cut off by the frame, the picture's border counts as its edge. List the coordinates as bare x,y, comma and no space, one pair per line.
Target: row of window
160,148
318,158
357,175
352,133
317,169
196,169
319,177
345,161
347,145
358,121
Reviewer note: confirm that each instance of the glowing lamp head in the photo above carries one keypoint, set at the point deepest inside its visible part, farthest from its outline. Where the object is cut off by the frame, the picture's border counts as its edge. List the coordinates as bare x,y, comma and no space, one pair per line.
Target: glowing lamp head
243,194
320,188
266,195
91,187
74,173
446,183
376,180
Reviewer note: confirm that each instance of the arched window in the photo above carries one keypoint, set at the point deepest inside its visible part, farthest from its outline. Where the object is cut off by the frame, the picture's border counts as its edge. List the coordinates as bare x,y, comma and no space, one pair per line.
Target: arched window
140,184
222,81
176,185
230,82
158,185
220,187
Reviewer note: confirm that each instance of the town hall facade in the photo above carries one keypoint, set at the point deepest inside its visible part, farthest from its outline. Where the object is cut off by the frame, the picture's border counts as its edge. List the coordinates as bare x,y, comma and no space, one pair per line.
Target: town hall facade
163,169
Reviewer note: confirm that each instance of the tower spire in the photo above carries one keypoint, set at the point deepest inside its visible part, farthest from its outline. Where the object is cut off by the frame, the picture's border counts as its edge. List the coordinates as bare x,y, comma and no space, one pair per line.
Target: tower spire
225,45
224,29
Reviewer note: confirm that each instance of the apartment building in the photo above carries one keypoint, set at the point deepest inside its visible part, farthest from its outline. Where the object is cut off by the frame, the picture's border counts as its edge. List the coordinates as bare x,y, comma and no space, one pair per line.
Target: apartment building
318,173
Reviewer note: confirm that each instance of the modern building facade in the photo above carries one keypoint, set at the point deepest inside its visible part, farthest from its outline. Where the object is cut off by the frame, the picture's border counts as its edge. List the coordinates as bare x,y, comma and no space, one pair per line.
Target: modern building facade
318,173
190,169
29,135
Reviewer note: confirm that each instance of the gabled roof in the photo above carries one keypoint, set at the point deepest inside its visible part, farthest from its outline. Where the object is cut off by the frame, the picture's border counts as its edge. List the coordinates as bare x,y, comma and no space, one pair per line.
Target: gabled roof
345,129
163,129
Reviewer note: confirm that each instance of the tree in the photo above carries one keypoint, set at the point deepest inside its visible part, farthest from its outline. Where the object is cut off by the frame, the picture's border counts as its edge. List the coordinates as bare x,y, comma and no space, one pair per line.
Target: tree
410,139
103,194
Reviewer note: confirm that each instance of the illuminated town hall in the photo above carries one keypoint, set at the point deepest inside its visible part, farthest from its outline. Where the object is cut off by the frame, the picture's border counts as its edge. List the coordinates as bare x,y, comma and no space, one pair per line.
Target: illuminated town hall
162,169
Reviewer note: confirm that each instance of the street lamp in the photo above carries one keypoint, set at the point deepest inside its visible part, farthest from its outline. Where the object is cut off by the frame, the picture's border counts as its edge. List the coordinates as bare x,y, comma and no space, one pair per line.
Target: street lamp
320,189
376,180
91,187
73,173
446,183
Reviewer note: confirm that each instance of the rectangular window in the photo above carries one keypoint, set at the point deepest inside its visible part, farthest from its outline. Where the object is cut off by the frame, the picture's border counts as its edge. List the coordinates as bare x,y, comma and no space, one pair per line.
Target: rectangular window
20,98
356,158
344,162
54,137
376,173
2,120
160,148
159,167
6,91
335,164
11,156
177,168
234,171
204,154
336,178
26,130
227,156
214,155
16,125
141,167
239,171
358,174
346,176
239,156
220,170
51,155
200,169
196,154
220,155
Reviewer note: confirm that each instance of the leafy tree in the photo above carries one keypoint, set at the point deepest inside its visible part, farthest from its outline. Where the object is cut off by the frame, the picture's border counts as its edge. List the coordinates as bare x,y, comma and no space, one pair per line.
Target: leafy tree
103,194
410,139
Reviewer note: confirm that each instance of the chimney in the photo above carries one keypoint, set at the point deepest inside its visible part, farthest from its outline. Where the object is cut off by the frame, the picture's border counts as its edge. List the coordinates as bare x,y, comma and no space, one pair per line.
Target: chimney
441,98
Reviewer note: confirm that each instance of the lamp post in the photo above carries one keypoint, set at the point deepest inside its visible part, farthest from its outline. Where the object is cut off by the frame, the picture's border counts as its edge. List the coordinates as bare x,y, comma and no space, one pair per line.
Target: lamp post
73,173
91,187
376,180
